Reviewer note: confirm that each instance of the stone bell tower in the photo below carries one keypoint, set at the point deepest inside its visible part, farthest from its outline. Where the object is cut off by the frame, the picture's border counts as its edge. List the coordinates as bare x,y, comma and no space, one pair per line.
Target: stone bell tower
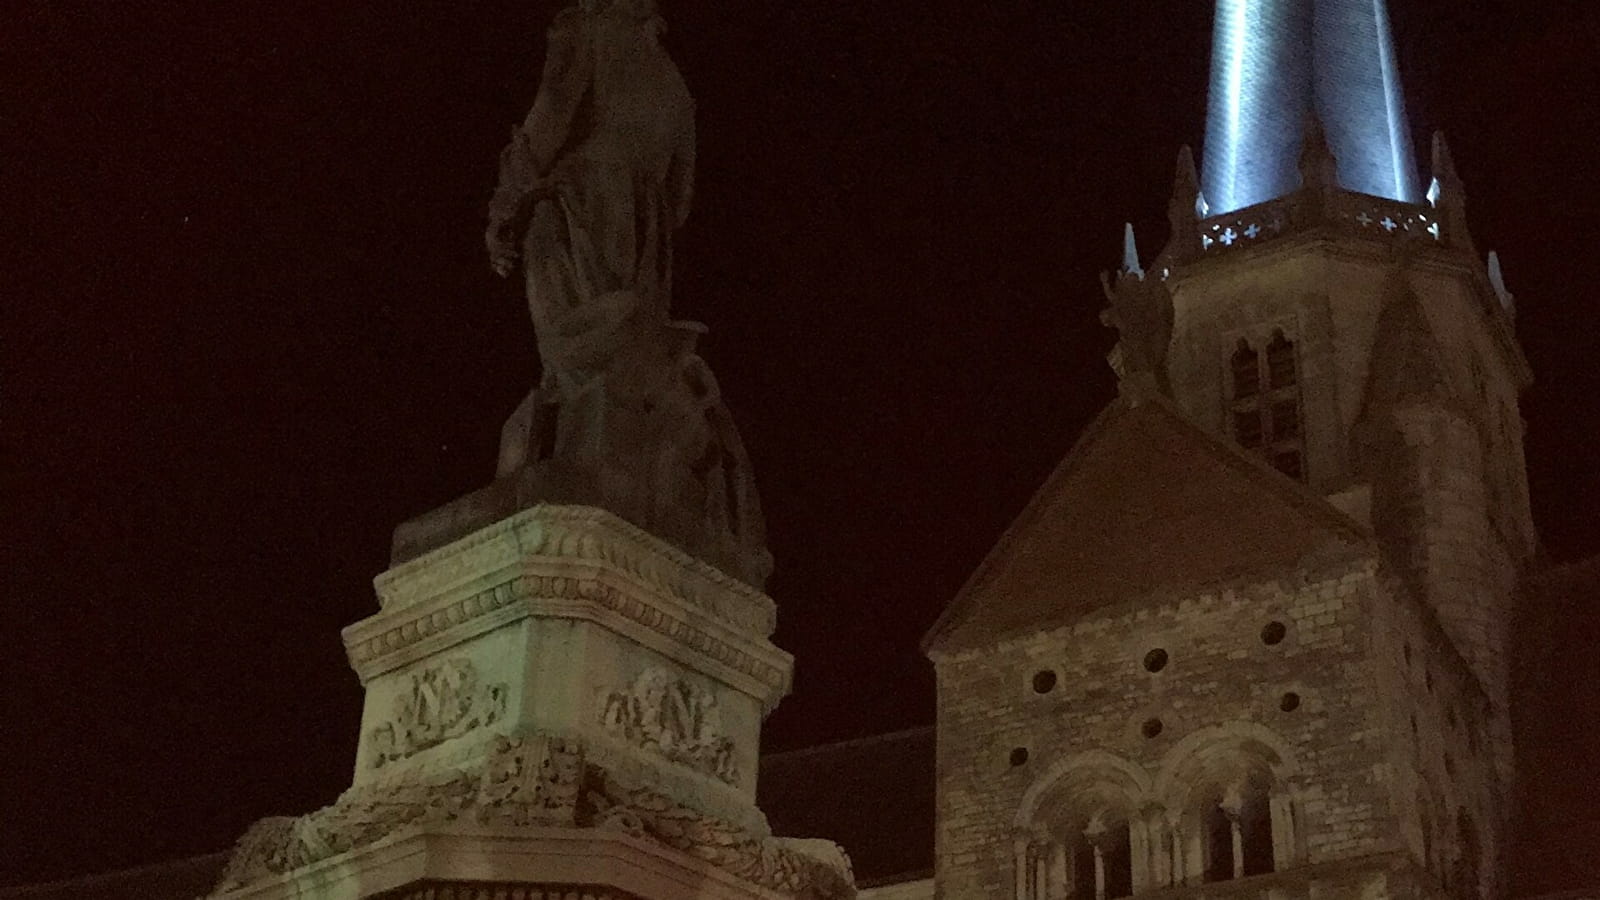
1251,636
569,668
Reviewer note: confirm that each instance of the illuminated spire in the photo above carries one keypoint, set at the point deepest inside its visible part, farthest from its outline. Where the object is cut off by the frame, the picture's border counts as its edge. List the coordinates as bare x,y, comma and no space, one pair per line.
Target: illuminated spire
1274,64
1130,253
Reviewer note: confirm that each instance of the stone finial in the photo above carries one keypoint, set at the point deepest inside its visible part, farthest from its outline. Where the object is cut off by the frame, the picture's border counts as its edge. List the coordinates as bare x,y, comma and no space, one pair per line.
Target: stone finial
1497,280
1444,164
1405,366
1448,195
1186,208
1130,253
1140,309
1319,168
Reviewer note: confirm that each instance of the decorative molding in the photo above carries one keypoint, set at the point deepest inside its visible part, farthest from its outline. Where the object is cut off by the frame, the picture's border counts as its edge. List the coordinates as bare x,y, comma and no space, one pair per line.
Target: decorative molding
1342,212
537,781
381,650
524,781
579,533
442,702
672,718
478,890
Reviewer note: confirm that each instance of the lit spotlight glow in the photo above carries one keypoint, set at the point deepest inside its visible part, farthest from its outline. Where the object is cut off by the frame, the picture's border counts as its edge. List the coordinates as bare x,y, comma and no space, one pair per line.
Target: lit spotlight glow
1273,61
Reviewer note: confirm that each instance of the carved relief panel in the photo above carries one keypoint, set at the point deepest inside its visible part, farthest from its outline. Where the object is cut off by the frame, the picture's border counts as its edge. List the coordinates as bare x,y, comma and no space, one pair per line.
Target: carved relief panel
443,701
672,718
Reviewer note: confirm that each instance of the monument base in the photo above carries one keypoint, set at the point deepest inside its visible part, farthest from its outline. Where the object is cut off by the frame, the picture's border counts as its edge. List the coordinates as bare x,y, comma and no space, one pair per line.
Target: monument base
476,863
565,675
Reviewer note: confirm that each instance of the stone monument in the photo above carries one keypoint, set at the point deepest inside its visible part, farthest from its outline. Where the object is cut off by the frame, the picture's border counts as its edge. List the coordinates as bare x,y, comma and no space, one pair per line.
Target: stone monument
566,678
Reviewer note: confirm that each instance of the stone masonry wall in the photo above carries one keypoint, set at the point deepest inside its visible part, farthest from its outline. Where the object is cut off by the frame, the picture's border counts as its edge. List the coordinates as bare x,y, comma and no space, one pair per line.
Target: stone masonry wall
999,737
1445,746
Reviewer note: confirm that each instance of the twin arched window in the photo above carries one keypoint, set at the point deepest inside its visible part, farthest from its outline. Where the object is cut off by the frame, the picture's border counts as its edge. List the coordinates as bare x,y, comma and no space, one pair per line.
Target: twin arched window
1092,861
1099,827
1229,835
1264,402
1237,835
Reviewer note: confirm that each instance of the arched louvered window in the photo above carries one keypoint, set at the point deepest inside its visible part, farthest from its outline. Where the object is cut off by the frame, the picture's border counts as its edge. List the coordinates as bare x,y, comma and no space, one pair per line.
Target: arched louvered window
1264,403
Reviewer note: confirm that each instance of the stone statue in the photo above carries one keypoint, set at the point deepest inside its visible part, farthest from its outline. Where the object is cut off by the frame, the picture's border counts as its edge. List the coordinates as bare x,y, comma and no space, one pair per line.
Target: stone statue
601,172
627,416
1140,308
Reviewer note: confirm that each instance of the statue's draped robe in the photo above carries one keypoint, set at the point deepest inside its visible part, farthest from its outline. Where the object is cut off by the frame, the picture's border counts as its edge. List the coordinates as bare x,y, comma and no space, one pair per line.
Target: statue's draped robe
592,187
600,173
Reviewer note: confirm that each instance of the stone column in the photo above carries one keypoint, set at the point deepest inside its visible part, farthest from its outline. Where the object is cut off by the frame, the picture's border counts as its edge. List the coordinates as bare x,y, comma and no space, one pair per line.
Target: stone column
1233,806
1021,888
1284,849
1096,833
1060,884
1041,868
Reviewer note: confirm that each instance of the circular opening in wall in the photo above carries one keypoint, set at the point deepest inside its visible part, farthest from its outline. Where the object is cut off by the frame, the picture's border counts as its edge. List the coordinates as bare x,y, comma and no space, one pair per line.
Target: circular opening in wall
1019,755
1273,633
1044,681
1155,660
1290,702
1151,727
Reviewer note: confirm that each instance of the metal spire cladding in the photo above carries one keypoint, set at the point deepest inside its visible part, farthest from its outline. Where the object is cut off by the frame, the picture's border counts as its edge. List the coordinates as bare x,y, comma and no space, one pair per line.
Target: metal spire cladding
1275,63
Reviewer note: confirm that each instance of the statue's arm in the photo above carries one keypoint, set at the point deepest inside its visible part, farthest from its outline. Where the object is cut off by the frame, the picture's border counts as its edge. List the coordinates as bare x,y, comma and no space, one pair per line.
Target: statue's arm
527,160
568,72
681,175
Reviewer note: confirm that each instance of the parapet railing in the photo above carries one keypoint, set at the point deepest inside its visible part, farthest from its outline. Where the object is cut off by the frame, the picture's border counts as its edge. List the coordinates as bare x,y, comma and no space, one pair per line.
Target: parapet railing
1342,212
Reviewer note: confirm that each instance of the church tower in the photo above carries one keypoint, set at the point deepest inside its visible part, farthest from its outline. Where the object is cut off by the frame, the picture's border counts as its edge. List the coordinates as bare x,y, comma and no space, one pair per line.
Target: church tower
1251,637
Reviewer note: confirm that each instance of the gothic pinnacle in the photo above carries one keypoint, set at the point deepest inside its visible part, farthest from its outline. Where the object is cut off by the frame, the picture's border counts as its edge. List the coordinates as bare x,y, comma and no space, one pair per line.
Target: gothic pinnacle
1130,253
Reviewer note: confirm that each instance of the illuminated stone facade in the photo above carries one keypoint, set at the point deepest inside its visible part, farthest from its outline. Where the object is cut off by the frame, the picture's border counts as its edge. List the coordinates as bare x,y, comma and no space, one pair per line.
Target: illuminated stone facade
1251,638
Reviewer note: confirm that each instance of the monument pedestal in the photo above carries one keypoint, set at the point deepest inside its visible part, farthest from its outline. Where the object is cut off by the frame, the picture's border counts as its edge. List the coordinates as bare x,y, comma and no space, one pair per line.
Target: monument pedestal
475,863
557,681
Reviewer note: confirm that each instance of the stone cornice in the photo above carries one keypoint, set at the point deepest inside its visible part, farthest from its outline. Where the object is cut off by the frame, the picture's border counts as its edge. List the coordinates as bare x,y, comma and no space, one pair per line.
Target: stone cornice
511,858
481,561
569,589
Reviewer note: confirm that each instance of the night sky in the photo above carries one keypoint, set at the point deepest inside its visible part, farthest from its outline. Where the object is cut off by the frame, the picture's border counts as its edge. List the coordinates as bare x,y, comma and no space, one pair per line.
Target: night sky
249,328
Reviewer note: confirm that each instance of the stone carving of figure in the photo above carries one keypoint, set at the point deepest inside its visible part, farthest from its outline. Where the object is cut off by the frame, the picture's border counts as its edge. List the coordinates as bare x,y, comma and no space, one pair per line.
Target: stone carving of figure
627,416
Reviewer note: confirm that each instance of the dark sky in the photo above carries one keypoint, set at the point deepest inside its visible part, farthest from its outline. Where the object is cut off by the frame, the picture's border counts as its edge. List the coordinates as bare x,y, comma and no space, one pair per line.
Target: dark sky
249,327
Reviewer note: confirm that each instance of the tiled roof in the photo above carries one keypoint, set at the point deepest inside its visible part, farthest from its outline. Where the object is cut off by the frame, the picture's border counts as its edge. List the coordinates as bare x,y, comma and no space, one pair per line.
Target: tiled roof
182,879
873,796
1145,501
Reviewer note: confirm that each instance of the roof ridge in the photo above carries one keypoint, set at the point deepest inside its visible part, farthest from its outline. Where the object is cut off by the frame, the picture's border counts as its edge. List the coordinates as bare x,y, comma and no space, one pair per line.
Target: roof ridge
1291,493
848,743
26,890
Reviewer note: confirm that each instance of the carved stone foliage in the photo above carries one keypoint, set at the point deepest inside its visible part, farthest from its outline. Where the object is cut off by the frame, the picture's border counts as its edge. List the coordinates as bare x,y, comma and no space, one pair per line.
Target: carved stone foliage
803,869
671,717
442,702
1140,308
537,781
525,781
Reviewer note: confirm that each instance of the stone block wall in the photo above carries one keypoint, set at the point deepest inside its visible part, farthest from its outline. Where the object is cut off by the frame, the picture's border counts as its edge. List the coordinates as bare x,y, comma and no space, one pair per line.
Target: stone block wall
1446,750
1015,763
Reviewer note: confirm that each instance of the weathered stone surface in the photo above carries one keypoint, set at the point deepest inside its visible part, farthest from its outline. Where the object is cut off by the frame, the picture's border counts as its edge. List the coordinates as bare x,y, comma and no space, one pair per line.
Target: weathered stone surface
528,783
627,416
569,621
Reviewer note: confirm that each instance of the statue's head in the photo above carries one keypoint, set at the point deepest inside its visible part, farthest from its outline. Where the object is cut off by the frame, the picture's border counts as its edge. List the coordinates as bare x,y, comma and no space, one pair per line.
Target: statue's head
642,10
